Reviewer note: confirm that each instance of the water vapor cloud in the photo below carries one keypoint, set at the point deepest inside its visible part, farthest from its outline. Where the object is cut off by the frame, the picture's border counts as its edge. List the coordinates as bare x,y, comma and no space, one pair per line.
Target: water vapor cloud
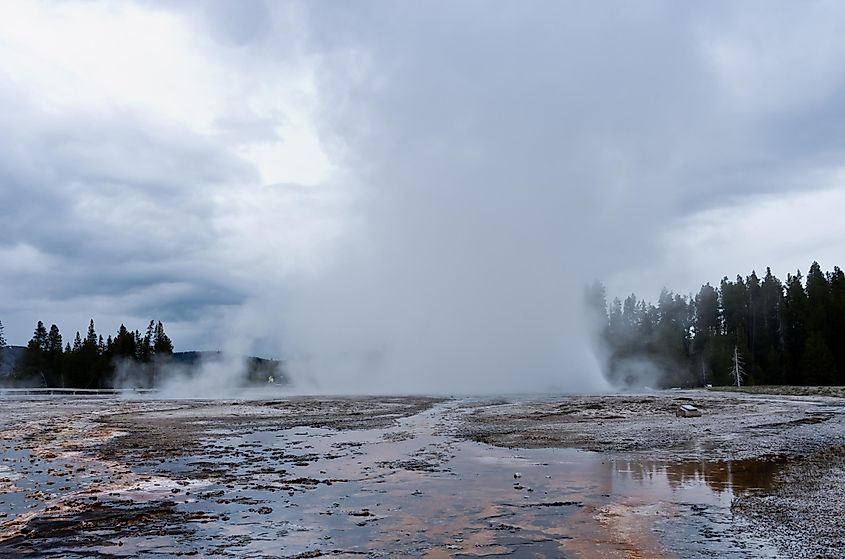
399,197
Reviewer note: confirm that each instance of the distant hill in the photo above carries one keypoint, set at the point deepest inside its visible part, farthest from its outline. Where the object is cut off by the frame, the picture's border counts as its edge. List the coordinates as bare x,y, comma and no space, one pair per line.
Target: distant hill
258,368
194,357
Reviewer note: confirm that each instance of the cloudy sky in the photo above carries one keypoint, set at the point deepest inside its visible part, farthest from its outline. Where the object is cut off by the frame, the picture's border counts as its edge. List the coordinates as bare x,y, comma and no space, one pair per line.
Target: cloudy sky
407,186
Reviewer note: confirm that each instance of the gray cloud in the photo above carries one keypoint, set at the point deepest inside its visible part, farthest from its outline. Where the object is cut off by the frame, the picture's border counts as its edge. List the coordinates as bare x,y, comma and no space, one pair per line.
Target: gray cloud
97,210
512,153
493,158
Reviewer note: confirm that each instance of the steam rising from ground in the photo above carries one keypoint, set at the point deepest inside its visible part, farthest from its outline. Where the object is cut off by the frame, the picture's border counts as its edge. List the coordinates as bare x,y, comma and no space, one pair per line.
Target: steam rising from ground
442,292
395,197
486,189
219,377
490,190
487,199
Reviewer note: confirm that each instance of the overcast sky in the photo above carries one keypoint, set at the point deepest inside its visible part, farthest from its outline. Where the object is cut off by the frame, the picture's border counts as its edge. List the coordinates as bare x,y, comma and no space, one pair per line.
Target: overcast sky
431,181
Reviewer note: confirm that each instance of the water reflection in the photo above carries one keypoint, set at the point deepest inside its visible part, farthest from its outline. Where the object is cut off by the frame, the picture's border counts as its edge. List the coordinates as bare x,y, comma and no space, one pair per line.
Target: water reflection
408,490
720,476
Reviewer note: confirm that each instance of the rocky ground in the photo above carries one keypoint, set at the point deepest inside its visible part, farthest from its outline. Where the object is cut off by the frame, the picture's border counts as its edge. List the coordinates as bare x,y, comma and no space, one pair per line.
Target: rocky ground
732,426
754,476
792,445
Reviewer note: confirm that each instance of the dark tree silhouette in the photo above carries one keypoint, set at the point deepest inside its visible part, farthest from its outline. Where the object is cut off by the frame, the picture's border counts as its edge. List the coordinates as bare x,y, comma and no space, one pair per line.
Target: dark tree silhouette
786,332
34,368
2,345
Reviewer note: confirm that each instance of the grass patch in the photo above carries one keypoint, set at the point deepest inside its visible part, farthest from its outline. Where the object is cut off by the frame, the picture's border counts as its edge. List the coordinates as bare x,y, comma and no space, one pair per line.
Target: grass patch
785,390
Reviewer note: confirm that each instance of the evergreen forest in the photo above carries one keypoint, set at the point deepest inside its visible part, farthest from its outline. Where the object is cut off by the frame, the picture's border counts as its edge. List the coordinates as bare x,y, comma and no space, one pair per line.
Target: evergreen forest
127,359
790,332
90,362
772,331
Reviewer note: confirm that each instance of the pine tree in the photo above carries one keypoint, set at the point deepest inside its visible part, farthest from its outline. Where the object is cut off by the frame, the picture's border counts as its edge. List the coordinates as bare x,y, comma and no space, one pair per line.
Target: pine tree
139,341
161,342
836,340
146,351
794,319
673,337
616,330
615,340
124,343
771,295
35,356
648,317
2,346
754,322
818,299
707,322
706,329
75,373
734,307
817,362
162,350
91,366
55,373
630,320
91,338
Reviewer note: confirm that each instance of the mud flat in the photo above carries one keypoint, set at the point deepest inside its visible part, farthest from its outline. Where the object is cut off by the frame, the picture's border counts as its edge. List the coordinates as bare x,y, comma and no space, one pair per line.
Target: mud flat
585,476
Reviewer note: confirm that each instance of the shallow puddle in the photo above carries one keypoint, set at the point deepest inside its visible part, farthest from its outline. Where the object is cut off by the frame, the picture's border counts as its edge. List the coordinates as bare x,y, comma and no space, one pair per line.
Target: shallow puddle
408,490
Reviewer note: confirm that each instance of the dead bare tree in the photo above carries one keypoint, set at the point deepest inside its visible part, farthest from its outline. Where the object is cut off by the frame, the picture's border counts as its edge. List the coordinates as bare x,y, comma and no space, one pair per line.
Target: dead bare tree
737,370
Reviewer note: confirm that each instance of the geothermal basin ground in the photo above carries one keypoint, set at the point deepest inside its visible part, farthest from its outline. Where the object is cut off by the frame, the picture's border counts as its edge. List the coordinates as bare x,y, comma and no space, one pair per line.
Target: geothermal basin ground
523,476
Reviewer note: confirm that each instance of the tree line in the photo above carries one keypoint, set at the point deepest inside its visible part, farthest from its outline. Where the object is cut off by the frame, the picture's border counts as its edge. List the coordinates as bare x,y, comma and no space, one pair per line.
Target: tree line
2,346
91,362
790,332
